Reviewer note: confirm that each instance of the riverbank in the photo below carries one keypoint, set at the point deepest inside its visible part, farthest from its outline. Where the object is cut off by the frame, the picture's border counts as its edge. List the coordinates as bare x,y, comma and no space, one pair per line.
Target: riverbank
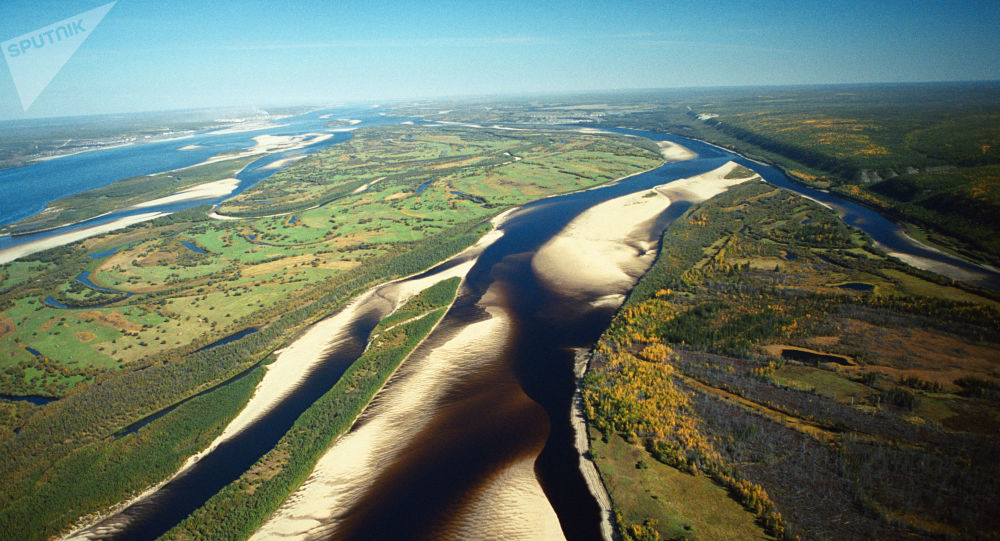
10,254
672,152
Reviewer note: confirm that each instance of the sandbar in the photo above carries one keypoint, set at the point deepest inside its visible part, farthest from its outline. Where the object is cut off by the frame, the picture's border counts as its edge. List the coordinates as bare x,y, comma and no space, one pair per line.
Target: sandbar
611,244
10,254
672,152
208,190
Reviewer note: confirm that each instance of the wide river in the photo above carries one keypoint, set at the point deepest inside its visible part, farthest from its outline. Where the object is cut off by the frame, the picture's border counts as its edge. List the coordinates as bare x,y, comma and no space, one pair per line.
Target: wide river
28,189
480,417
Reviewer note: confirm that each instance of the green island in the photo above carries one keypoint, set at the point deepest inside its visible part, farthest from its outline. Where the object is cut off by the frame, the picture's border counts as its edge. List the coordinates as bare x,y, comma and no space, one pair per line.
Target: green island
772,354
167,291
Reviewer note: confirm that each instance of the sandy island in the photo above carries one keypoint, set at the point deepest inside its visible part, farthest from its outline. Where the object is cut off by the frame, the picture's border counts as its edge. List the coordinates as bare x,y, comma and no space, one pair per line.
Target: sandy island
672,152
247,125
366,186
611,244
10,254
208,190
281,163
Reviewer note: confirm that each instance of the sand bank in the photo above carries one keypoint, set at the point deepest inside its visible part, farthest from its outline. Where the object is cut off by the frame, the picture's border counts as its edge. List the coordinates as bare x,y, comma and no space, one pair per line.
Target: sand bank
10,254
248,125
611,244
216,216
366,186
582,439
208,190
672,152
295,361
944,269
281,163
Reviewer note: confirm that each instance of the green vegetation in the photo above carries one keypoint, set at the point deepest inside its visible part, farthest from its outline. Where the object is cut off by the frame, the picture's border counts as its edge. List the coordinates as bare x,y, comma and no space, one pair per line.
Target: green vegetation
113,365
495,167
654,499
98,475
243,506
696,369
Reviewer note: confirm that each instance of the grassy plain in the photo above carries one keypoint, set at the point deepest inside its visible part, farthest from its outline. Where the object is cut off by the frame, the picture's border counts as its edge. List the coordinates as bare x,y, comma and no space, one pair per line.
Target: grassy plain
654,497
827,412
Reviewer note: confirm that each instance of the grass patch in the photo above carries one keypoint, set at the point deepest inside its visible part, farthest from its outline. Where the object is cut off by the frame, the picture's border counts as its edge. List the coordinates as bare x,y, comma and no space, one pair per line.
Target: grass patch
677,505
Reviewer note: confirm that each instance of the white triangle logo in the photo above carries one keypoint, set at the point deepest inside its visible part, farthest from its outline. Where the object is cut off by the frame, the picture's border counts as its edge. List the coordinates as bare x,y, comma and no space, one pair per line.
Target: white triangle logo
35,58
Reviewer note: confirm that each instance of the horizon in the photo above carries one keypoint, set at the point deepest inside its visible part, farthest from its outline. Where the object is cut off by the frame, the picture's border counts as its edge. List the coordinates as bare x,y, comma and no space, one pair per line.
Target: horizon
146,57
387,103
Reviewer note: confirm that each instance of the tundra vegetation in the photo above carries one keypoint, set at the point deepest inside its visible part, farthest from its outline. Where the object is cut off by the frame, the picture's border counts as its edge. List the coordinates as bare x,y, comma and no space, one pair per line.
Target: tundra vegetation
133,340
831,391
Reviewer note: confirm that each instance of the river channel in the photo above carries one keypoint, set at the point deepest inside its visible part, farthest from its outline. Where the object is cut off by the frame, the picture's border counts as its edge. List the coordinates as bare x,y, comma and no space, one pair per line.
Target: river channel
493,419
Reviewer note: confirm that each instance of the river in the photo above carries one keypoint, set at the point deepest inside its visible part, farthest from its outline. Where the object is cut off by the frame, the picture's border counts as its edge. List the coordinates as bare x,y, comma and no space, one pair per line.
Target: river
30,188
473,434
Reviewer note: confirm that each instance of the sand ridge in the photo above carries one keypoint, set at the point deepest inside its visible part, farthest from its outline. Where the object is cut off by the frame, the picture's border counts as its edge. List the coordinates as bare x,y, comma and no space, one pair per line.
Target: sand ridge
10,254
207,190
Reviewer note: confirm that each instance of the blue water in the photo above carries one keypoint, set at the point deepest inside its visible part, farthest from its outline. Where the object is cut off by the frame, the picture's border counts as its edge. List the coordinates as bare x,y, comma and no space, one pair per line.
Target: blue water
29,188
422,187
291,220
191,246
36,400
105,253
84,278
33,351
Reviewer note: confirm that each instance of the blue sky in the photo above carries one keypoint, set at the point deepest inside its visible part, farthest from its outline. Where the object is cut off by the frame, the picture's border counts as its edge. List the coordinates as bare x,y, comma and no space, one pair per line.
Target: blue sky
156,55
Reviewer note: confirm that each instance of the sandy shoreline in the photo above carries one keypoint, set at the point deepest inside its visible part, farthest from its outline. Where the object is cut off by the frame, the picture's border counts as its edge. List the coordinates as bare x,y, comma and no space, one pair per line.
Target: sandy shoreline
582,439
599,256
264,144
10,254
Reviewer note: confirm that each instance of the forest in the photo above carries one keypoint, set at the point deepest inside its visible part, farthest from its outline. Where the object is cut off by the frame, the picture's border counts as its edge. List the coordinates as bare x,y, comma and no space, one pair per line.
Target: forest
922,154
825,411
